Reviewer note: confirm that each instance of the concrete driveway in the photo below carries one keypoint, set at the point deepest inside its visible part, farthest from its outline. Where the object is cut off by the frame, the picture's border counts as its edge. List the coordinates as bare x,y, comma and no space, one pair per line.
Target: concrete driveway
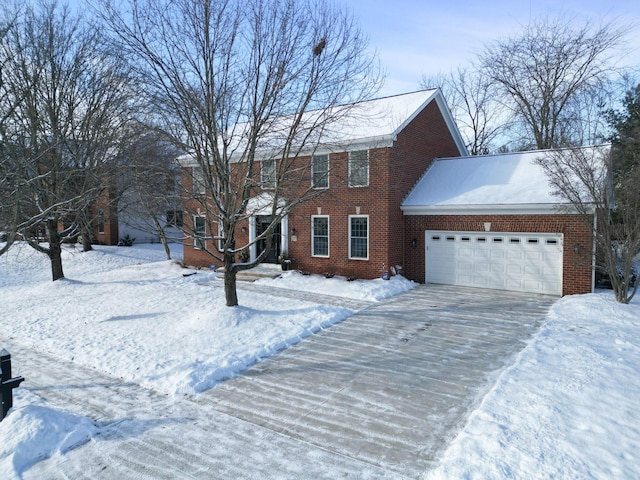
393,384
378,396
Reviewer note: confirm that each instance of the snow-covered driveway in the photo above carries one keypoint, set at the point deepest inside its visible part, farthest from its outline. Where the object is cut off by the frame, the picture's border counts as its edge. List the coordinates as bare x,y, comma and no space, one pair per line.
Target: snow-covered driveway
376,396
392,384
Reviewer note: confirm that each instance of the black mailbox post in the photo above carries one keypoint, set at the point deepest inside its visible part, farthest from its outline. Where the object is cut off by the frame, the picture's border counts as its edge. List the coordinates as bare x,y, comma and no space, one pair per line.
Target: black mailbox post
7,384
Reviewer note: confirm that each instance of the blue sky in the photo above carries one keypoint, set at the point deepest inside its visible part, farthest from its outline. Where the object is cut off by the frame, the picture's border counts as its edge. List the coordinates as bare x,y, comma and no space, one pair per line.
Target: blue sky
416,37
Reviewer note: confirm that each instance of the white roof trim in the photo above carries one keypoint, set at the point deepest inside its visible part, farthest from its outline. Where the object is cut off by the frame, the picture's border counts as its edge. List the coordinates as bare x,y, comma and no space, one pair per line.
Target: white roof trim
516,209
451,124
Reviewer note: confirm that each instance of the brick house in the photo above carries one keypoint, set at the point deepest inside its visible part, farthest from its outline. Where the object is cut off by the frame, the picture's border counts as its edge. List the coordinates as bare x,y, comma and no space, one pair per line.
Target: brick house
364,166
379,210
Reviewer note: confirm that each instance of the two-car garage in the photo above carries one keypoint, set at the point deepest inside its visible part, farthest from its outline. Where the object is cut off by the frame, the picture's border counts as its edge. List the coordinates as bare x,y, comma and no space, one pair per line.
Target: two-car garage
494,221
525,262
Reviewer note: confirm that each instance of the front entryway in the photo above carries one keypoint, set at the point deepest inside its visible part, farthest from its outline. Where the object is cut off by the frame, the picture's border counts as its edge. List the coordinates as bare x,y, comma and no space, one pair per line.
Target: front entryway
262,224
523,262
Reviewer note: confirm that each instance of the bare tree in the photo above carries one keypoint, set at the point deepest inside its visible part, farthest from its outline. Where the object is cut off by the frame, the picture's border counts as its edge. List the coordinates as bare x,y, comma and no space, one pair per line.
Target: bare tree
550,74
71,103
8,179
474,103
150,186
609,200
250,86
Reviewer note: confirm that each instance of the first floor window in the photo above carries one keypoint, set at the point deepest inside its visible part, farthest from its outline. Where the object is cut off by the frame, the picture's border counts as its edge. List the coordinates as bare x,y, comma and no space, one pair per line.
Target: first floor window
359,237
320,237
174,218
199,231
100,221
220,236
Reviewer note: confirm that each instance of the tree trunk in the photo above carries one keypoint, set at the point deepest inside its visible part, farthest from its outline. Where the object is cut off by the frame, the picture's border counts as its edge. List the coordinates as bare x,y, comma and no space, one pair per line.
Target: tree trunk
163,236
55,250
86,240
230,291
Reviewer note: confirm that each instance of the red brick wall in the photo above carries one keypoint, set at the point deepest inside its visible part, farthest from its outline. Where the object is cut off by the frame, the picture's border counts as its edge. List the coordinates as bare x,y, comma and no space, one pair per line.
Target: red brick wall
577,273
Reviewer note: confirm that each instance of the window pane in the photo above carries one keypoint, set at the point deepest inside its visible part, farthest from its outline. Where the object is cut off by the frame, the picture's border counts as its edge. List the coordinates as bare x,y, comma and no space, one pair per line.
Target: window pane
198,232
359,237
321,236
198,180
268,173
320,171
359,168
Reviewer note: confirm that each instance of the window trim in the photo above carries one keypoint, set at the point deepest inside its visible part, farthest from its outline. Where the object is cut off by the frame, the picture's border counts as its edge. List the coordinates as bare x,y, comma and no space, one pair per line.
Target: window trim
313,173
349,175
313,236
351,257
195,232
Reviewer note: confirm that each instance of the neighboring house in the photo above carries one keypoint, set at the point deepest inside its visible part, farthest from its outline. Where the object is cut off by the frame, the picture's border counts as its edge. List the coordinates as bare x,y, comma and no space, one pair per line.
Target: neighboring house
136,222
484,221
366,164
491,221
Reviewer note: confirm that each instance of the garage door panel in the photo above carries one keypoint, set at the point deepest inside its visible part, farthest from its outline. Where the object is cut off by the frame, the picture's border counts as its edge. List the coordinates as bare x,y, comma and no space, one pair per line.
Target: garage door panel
522,262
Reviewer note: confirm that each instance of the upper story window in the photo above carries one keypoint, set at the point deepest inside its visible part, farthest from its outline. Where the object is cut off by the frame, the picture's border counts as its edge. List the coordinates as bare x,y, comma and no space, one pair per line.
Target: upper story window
320,171
320,237
359,168
359,237
268,173
197,179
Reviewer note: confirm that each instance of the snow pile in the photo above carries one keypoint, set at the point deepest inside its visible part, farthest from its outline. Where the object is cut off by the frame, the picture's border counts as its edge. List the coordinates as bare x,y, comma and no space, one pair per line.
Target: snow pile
568,408
32,432
368,290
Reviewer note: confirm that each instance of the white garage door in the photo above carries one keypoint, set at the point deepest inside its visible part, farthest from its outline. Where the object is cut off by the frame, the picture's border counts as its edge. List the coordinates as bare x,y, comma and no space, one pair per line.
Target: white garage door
524,262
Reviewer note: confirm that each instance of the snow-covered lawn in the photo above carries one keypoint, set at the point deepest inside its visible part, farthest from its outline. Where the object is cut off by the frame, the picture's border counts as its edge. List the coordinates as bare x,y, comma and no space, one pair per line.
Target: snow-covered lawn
566,409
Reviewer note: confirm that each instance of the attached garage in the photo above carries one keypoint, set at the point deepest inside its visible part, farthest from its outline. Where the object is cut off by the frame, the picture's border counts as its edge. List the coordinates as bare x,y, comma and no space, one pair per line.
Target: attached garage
492,221
524,262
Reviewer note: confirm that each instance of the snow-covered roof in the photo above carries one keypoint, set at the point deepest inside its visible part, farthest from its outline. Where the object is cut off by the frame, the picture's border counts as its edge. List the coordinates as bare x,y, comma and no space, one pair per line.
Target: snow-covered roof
381,120
504,183
366,124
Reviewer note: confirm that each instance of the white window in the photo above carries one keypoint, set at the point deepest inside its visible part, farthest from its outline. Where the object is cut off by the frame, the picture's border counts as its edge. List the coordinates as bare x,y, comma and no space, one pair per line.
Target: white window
320,236
320,171
359,237
199,232
197,178
268,173
220,236
359,168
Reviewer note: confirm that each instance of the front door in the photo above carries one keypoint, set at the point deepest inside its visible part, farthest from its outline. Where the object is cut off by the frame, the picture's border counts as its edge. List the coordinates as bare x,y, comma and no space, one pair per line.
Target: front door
262,223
